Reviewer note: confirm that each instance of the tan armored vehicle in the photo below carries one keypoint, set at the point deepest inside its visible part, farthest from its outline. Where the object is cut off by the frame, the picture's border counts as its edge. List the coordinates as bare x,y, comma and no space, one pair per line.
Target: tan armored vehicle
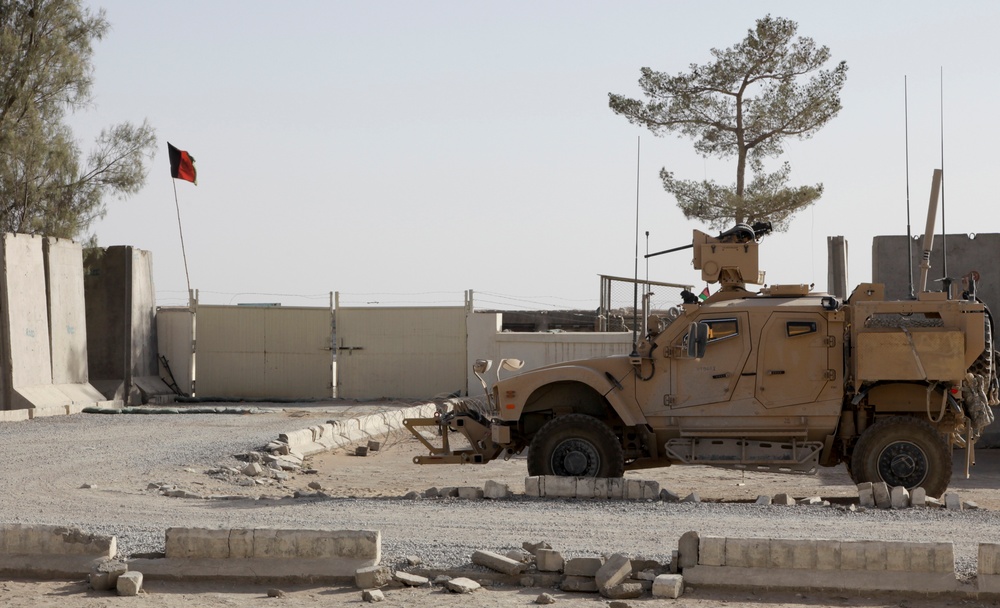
780,380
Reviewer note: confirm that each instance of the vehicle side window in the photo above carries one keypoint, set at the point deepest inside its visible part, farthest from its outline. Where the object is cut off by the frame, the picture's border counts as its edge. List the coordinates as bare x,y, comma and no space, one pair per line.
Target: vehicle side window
800,328
720,329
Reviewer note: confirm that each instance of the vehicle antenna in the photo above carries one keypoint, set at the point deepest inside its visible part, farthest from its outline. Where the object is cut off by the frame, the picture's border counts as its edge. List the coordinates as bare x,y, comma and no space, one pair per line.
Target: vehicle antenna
909,235
944,233
635,282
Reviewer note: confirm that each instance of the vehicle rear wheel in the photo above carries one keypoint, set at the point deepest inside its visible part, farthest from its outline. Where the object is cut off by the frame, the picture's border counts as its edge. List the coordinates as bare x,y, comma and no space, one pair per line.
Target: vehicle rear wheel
903,451
576,445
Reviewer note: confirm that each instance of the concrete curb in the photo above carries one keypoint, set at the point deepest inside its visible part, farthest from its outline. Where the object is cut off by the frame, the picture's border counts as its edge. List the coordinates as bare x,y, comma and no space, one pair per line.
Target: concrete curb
263,555
341,433
51,551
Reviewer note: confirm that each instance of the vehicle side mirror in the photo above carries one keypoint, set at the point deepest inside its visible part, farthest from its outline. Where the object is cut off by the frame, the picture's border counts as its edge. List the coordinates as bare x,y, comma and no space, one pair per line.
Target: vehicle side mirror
697,339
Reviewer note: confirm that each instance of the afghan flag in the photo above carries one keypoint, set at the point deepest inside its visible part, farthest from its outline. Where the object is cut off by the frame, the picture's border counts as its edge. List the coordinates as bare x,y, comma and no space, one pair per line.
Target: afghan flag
704,294
182,165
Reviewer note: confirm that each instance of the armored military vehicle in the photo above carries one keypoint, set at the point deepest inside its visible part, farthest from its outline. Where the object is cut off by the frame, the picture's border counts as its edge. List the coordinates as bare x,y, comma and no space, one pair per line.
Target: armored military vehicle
782,379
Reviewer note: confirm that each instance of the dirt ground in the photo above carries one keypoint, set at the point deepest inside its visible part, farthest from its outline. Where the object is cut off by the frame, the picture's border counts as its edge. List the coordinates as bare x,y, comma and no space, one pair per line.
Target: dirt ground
391,472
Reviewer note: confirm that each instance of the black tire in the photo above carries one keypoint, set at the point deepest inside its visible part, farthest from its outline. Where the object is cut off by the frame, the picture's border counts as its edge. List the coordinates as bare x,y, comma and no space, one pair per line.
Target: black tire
903,451
576,445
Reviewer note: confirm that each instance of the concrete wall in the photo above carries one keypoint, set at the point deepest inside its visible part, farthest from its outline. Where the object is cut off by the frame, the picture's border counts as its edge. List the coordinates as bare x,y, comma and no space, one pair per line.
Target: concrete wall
175,339
486,341
121,331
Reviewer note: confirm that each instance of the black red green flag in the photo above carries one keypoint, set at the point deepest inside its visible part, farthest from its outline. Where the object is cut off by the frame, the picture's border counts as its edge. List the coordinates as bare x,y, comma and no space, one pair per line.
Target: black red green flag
182,165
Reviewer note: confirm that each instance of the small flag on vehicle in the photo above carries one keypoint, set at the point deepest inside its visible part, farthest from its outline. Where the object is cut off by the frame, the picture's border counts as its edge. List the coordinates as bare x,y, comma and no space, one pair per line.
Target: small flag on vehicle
704,294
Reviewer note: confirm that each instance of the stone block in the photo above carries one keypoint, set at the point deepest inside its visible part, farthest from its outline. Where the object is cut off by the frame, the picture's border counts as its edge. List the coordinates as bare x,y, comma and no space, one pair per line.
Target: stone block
616,488
240,543
601,487
533,486
687,550
520,555
866,497
461,585
495,490
372,577
614,571
586,487
899,497
758,553
804,554
580,584
191,543
372,595
883,500
583,566
469,493
668,585
952,501
736,552
633,489
449,492
919,557
549,560
668,496
533,548
918,497
852,555
828,555
782,553
622,591
711,551
411,580
864,485
989,558
104,576
875,555
560,487
763,500
944,557
374,446
129,584
497,562
782,499
896,557
692,497
650,489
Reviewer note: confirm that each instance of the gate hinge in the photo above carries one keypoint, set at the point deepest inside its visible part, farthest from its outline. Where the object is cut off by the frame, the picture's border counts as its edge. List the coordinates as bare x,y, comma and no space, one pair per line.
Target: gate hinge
831,341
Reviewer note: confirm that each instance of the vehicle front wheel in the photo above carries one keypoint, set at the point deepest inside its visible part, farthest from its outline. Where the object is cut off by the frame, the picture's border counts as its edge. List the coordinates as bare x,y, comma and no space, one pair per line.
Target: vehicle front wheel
903,451
576,445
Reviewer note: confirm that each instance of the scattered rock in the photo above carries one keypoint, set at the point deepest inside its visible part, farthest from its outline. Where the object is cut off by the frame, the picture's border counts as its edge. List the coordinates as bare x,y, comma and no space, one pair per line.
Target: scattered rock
763,500
275,593
692,497
494,490
783,499
918,497
623,591
668,496
372,577
411,580
372,595
970,505
533,548
613,572
411,495
315,485
129,584
361,450
461,585
883,500
520,555
545,598
952,501
432,493
87,486
497,562
374,446
413,560
668,585
253,470
579,584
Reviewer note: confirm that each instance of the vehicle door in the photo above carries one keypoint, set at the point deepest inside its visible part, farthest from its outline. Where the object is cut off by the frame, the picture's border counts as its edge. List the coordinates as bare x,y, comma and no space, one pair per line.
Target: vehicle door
712,378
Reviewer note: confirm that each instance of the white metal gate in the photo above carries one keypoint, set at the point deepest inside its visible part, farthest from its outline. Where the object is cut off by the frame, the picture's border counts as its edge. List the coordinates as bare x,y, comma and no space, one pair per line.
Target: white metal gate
416,353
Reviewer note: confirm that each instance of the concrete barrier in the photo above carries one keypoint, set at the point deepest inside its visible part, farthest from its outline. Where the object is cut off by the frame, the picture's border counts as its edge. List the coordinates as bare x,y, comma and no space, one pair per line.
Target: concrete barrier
825,564
988,579
263,554
33,551
613,488
342,433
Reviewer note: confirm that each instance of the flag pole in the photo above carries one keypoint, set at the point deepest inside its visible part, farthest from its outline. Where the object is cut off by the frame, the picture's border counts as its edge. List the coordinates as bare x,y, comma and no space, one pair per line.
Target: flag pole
180,230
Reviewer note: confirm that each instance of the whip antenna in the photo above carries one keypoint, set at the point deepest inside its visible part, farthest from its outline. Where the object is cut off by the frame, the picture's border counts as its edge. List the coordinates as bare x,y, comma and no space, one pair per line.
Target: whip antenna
635,282
906,137
944,233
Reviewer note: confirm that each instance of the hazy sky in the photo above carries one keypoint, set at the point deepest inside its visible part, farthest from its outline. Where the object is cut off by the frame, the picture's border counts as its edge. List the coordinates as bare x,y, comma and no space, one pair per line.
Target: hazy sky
403,151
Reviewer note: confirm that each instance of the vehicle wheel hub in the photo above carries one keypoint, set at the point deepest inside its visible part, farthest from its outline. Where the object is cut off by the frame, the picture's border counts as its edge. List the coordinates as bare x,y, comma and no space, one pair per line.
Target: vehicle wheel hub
902,464
576,458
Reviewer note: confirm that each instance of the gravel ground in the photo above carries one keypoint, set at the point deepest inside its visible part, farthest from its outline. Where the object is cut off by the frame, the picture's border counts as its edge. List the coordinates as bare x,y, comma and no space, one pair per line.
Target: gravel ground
47,461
